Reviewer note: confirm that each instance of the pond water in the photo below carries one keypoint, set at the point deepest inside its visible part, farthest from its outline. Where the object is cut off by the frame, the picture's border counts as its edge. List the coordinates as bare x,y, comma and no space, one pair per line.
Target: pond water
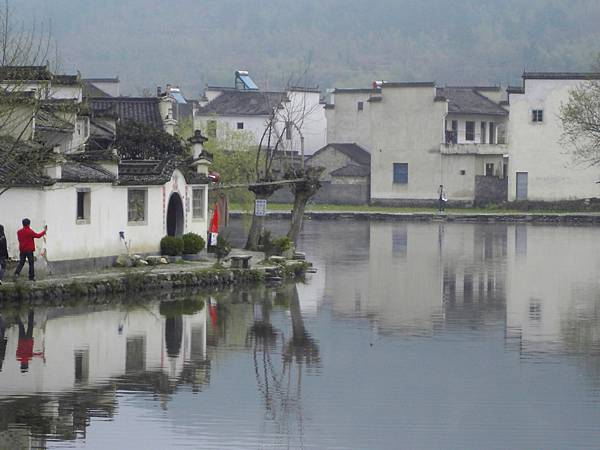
410,335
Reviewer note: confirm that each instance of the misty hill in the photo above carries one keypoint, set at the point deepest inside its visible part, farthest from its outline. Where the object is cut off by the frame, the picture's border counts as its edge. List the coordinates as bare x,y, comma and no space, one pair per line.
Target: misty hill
349,42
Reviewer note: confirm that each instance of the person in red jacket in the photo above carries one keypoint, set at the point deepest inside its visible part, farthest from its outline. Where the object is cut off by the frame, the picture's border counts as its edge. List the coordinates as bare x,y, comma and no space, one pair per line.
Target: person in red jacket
26,238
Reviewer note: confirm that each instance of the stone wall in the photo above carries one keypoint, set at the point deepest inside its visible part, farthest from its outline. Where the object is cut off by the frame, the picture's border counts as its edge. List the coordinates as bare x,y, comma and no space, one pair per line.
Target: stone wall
490,190
330,193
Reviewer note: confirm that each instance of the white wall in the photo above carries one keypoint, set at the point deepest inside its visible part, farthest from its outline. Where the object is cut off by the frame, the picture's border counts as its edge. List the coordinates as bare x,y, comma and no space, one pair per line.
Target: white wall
345,123
407,127
306,110
56,206
254,126
535,147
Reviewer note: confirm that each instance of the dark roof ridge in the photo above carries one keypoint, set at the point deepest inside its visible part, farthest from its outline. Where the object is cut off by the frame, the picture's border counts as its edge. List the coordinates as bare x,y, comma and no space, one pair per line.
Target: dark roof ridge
402,84
485,98
478,88
356,91
561,75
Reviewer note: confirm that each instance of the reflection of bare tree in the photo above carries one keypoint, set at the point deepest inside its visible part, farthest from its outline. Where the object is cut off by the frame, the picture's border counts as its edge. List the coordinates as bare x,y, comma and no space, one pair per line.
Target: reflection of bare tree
281,387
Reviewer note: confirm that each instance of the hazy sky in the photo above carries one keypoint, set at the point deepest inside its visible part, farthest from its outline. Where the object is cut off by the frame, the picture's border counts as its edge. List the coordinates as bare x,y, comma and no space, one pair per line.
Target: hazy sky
347,42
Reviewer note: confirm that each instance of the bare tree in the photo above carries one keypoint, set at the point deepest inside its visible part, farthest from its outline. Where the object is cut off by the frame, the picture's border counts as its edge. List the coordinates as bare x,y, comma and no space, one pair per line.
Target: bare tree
277,143
25,82
580,118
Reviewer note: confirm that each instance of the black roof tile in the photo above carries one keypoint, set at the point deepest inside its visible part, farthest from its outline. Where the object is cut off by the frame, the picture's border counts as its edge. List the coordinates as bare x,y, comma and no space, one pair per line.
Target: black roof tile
466,100
352,151
233,102
138,109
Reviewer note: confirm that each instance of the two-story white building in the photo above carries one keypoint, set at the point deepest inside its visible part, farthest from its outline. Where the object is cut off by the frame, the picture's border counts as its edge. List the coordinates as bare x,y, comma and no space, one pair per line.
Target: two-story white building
541,167
297,114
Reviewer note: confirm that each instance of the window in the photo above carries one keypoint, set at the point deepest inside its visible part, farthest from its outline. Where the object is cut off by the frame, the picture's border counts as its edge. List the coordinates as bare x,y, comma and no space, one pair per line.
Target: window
136,205
400,173
489,169
492,129
537,115
361,106
198,203
483,132
240,125
83,206
463,172
469,131
211,128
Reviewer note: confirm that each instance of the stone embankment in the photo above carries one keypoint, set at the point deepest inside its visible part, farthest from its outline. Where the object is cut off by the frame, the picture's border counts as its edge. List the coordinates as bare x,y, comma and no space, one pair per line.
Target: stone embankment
136,280
542,218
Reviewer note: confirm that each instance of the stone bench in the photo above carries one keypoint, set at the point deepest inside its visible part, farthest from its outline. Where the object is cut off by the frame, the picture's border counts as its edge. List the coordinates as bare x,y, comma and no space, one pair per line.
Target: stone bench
240,261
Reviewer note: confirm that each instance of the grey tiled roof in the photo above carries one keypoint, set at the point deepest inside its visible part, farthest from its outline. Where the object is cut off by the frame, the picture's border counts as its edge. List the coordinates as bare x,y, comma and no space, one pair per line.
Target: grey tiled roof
37,73
138,109
91,91
466,100
352,151
11,173
146,172
352,170
233,102
78,172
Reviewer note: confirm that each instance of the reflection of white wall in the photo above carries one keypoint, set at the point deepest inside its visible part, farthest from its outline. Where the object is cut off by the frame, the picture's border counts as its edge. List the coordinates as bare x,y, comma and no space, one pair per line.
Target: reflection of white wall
405,284
552,275
97,334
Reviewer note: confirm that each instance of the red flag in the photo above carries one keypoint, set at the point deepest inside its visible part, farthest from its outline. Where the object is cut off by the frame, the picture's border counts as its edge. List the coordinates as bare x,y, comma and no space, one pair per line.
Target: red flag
214,223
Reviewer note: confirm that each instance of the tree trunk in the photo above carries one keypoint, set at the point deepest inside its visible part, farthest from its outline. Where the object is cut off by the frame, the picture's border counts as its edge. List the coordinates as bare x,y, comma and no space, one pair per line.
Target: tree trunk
301,198
261,192
256,229
303,192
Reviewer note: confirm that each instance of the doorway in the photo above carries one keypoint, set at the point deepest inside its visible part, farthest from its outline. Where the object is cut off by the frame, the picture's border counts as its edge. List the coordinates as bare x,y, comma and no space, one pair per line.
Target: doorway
175,215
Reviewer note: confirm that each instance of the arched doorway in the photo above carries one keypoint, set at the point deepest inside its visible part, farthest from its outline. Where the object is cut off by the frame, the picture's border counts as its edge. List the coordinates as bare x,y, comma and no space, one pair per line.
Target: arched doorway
175,215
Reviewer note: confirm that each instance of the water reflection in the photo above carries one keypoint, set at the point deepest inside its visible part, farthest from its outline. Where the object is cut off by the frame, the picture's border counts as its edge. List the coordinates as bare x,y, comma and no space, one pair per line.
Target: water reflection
410,335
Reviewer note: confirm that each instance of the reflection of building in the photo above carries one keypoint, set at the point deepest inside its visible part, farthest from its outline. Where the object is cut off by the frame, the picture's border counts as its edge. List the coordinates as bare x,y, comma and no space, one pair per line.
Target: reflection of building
551,305
84,356
423,275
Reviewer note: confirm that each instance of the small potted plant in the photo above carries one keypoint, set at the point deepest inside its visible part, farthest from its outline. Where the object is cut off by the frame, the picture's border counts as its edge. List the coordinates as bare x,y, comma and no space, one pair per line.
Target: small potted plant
172,246
193,244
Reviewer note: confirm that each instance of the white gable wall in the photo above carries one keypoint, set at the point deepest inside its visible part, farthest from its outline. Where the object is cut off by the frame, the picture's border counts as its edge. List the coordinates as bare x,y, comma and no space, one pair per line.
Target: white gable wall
535,147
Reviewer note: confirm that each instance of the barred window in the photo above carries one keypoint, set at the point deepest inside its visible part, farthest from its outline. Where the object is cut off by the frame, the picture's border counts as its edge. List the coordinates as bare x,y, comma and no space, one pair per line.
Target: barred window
198,203
136,205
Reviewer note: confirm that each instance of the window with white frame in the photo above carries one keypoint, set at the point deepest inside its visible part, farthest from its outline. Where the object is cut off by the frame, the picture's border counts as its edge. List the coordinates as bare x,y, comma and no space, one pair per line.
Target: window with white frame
137,205
198,203
537,115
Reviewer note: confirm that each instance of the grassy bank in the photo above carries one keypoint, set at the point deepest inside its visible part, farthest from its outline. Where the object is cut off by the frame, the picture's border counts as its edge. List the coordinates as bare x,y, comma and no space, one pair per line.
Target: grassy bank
411,210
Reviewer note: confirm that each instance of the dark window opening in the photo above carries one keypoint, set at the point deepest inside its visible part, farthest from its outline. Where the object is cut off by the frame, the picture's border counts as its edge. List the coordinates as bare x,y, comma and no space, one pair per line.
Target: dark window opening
483,133
492,129
463,172
400,173
360,106
537,115
469,131
83,206
489,170
240,125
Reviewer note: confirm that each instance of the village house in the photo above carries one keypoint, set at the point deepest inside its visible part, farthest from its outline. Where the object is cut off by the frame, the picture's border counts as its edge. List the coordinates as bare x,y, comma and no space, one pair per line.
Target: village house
97,205
297,113
421,136
541,167
346,179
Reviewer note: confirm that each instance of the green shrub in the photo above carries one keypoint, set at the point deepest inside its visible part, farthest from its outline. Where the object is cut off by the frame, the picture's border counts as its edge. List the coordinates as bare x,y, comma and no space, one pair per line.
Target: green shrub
282,244
223,248
171,246
192,243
